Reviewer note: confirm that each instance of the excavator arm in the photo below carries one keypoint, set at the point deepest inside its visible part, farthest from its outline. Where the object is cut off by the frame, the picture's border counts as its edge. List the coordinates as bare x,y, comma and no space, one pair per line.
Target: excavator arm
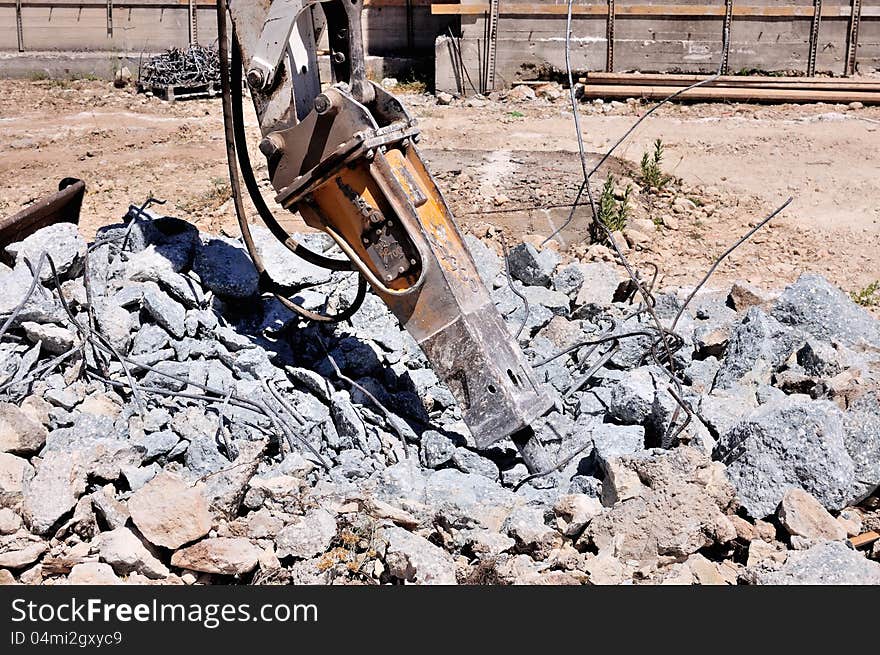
346,159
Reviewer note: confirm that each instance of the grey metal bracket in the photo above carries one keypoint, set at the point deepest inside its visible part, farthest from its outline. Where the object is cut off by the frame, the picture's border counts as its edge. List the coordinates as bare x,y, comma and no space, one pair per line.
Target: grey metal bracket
272,43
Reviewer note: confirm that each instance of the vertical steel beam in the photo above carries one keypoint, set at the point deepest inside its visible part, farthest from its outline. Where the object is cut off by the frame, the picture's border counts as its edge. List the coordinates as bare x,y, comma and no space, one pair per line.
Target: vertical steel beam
852,44
609,39
725,53
814,37
193,12
492,44
19,27
110,18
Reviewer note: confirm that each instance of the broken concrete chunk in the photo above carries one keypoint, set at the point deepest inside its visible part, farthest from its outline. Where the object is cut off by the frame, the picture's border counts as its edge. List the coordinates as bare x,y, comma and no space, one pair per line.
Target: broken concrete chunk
470,462
150,338
601,283
568,280
225,268
831,563
435,449
18,433
679,510
14,473
816,306
55,339
112,511
862,441
526,525
114,323
767,554
610,440
121,549
574,512
758,346
632,397
20,550
803,516
221,555
103,451
40,307
59,481
531,266
169,512
61,242
167,313
819,358
743,295
412,558
93,573
789,443
10,522
307,535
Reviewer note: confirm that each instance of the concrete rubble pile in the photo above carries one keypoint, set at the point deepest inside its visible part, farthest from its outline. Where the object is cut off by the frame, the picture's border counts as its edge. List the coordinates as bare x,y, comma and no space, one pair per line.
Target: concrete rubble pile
245,457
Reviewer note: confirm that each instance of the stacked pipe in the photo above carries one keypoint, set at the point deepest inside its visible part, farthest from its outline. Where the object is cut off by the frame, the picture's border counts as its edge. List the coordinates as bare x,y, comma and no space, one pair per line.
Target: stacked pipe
732,88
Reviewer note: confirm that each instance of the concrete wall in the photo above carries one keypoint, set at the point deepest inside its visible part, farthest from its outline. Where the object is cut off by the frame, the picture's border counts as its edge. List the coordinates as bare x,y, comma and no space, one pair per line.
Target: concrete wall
71,37
527,44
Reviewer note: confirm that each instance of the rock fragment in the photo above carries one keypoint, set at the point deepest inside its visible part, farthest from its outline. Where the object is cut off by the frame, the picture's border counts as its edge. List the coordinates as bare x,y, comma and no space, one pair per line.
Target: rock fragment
307,535
531,266
412,558
169,512
827,563
789,443
810,302
803,516
121,549
59,482
18,433
93,573
225,268
61,242
221,555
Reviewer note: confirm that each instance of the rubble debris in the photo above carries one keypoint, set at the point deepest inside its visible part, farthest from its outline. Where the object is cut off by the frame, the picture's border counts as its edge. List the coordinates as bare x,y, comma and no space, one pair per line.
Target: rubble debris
808,303
679,509
827,563
803,516
121,549
169,512
788,443
222,442
19,435
413,558
222,555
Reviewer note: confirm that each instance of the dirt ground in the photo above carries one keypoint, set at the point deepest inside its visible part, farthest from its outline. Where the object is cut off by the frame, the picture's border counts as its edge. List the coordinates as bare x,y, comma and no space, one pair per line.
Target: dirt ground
496,162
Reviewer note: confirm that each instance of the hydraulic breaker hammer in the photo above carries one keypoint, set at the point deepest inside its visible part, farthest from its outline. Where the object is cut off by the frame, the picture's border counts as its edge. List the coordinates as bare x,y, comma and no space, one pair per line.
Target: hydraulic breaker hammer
346,159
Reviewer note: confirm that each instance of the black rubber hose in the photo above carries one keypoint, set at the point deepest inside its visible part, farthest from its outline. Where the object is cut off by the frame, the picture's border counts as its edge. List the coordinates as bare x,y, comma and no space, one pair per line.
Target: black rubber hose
250,182
235,184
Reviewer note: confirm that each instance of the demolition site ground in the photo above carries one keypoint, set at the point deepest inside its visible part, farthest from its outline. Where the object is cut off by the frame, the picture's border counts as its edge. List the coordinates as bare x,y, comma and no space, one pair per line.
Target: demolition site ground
163,421
497,159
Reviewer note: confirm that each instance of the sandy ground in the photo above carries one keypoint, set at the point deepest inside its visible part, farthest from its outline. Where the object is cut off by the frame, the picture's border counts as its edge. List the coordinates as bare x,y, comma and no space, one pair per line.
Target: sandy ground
496,161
